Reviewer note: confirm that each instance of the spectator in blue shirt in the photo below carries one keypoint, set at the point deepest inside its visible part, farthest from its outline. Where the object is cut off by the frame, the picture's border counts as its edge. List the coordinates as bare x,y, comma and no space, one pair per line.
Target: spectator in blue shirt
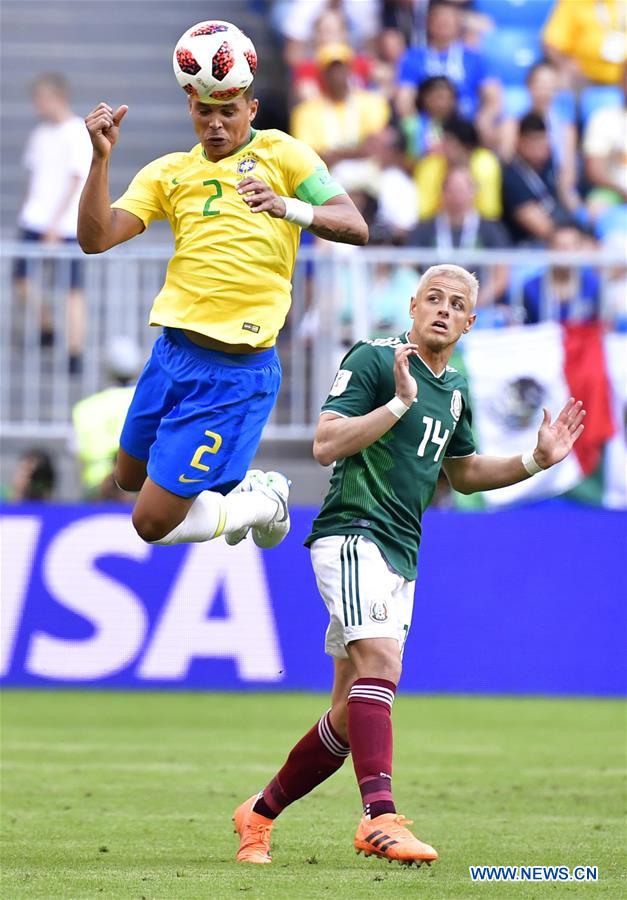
445,54
563,293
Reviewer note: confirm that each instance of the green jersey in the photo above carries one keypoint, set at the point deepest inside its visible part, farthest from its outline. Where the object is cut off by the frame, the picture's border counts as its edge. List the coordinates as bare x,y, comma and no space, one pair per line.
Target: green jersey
382,491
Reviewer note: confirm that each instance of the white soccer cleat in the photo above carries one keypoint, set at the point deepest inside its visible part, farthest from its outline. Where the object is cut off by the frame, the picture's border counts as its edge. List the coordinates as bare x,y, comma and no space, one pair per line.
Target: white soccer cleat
252,480
277,487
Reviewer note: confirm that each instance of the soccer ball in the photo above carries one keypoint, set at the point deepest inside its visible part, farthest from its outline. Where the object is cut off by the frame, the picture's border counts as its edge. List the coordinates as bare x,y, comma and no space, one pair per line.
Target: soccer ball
214,61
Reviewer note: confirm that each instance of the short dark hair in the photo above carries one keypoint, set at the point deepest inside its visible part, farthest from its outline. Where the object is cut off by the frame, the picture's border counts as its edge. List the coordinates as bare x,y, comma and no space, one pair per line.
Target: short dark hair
249,93
434,81
541,64
531,123
462,129
442,4
42,477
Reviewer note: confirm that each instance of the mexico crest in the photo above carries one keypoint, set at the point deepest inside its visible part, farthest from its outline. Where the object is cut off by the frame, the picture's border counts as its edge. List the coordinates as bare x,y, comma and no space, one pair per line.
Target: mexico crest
456,404
378,611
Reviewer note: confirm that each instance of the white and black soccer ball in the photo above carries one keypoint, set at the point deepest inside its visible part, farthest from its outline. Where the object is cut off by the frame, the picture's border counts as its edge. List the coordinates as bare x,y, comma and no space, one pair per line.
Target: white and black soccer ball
214,61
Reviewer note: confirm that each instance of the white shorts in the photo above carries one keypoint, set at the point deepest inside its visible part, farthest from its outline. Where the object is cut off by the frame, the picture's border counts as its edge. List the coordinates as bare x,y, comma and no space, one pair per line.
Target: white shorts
364,596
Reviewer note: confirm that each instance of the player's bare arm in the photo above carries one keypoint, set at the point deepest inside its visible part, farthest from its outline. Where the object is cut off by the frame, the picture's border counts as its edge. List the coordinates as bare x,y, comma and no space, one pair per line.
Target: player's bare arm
336,220
555,441
337,437
99,226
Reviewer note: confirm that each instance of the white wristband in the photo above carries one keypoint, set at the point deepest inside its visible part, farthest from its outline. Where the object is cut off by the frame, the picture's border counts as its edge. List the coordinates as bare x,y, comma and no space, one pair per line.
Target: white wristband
397,407
298,212
530,464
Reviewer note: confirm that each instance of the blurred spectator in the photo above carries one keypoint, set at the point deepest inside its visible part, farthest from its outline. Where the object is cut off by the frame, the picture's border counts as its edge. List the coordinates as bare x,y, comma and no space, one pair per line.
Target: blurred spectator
383,176
446,54
531,206
460,147
98,421
605,155
436,101
337,123
34,478
458,226
565,293
296,20
543,86
307,76
408,18
586,39
57,158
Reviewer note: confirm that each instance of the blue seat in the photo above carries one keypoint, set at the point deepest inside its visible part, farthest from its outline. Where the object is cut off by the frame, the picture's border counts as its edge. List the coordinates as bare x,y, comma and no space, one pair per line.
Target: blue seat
509,52
597,96
516,13
613,219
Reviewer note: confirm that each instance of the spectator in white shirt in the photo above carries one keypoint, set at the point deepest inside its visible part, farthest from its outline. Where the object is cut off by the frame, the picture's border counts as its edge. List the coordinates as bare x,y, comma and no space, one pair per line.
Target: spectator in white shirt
605,155
57,158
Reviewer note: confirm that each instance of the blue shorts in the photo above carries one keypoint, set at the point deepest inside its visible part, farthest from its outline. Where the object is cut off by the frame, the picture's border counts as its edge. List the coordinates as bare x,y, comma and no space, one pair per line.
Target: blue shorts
197,415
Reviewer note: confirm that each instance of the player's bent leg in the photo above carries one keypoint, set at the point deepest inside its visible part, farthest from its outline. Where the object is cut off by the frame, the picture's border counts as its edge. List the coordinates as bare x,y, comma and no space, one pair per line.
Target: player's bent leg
162,517
129,472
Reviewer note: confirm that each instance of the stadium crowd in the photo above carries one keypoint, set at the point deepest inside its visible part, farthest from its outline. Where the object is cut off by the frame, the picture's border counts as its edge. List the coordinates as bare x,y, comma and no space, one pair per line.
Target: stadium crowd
472,124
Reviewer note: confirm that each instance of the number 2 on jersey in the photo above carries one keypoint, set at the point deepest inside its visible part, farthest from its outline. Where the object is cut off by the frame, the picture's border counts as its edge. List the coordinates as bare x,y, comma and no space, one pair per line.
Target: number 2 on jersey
434,435
207,211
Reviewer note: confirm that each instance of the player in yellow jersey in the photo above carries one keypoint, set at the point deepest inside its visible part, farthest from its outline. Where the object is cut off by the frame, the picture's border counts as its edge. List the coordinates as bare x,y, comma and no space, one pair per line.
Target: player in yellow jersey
236,203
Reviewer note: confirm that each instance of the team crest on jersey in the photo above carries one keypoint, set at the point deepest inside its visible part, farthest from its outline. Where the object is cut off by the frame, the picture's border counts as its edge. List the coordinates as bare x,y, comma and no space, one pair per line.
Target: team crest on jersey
378,611
456,404
246,165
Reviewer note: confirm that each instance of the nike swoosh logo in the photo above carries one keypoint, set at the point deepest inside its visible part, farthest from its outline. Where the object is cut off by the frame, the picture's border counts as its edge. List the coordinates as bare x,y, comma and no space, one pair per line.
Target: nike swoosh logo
188,480
174,181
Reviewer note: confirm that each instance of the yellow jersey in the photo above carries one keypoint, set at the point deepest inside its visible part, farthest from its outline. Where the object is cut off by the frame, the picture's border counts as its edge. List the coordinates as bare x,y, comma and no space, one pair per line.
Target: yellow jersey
594,33
230,275
430,172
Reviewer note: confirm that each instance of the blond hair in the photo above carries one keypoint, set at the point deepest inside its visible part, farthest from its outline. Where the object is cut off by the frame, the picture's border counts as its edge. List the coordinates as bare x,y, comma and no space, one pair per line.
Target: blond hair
469,279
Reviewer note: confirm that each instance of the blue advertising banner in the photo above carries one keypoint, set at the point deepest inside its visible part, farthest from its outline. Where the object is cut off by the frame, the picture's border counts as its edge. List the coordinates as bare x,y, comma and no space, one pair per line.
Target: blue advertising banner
531,600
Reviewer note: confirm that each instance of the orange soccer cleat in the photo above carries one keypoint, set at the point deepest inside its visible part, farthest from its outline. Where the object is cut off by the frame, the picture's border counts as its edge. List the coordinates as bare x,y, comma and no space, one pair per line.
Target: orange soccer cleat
254,833
387,837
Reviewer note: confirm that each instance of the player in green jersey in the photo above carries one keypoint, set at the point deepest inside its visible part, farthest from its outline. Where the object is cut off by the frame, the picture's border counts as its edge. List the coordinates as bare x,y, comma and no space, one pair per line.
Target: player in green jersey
396,414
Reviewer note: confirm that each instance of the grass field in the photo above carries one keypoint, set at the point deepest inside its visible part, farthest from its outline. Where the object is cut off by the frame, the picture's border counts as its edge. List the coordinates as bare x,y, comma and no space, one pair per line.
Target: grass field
130,796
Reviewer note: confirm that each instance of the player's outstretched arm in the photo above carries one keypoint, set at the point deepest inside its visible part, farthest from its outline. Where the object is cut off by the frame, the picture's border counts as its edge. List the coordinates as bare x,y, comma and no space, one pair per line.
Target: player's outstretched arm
555,441
336,220
99,226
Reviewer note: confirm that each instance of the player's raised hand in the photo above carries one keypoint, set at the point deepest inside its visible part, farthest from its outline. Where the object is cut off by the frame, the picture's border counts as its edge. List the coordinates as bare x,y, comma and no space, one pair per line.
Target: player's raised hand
261,198
556,439
103,125
406,385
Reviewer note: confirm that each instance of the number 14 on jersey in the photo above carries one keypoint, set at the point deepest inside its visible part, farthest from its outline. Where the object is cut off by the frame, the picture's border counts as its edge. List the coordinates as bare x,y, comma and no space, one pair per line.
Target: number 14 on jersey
433,434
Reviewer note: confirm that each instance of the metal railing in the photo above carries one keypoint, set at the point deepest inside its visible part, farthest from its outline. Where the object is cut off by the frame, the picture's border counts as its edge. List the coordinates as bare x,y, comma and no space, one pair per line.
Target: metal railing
340,295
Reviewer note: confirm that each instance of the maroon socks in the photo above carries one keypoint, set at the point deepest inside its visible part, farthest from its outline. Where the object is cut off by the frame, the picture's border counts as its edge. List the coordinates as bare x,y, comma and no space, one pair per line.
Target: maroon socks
370,735
315,757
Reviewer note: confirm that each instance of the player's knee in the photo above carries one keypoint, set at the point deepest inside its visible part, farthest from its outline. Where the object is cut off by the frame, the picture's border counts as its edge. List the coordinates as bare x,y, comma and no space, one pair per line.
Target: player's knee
150,527
379,660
